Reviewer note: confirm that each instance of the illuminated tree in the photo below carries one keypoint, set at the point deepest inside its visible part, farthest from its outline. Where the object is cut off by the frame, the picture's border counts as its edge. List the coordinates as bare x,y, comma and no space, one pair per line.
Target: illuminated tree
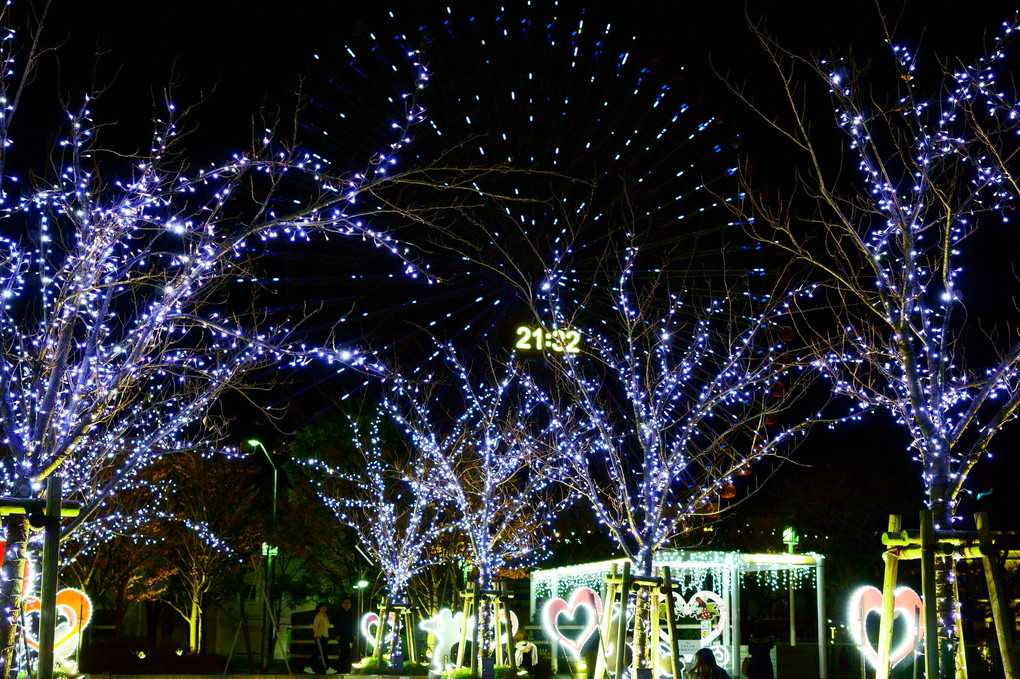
112,557
182,535
117,328
481,446
672,395
921,178
378,493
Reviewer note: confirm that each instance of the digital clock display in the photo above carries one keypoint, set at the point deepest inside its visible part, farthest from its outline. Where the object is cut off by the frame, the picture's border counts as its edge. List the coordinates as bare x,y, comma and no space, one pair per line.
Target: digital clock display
539,339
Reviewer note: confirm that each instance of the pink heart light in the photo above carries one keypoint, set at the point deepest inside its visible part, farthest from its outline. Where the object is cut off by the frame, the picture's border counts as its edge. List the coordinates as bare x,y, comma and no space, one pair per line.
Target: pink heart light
583,598
907,606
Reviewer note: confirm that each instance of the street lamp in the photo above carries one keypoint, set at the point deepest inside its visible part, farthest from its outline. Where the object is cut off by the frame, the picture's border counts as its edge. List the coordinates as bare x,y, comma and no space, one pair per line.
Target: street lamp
791,539
360,585
269,552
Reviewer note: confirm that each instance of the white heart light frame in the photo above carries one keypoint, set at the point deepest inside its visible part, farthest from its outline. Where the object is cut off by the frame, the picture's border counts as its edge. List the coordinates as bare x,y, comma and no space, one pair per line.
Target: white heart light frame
907,606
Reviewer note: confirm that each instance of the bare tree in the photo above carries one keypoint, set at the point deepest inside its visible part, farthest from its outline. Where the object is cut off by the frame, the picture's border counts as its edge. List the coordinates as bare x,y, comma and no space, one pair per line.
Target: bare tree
481,446
116,338
204,534
378,494
672,395
920,172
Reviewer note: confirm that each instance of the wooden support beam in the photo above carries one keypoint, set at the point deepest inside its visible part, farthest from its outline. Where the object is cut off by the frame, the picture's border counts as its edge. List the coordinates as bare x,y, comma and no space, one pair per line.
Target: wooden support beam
621,627
998,600
653,641
931,640
608,597
15,505
469,597
384,612
914,553
497,607
888,600
912,538
674,638
506,594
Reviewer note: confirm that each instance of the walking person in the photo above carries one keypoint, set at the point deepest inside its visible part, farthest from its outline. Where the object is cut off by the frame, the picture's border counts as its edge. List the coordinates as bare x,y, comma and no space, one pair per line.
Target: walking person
320,639
346,630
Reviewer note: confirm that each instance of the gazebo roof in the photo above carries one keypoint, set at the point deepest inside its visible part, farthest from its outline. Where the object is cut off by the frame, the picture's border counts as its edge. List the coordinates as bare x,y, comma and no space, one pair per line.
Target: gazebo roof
685,565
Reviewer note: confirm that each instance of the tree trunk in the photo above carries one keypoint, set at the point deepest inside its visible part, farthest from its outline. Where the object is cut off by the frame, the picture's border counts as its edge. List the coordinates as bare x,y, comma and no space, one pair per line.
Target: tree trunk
11,589
945,592
195,626
642,614
119,611
152,616
397,596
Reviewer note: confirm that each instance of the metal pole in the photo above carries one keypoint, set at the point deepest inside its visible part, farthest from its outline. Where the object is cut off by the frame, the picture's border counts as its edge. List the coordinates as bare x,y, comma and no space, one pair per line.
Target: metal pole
51,554
793,606
270,571
735,582
823,621
357,628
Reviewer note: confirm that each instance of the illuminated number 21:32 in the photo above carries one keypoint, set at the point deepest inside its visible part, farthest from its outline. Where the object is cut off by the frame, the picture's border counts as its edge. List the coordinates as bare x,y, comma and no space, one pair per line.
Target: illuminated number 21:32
567,341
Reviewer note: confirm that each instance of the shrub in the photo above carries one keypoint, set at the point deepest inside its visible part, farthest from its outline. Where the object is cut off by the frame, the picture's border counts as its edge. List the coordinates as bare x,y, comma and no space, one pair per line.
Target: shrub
371,666
501,672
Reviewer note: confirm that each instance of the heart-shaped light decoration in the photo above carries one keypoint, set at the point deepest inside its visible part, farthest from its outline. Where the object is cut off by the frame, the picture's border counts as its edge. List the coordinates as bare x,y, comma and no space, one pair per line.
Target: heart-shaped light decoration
582,598
907,606
509,631
704,605
74,613
372,619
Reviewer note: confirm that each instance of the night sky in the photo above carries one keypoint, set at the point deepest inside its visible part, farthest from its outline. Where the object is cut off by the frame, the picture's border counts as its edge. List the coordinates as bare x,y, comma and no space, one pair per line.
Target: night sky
238,56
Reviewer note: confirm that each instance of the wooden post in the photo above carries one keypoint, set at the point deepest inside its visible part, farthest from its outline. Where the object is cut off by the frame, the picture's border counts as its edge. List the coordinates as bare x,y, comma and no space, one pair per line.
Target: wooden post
511,642
931,639
639,635
51,555
497,606
998,598
380,633
674,638
621,627
653,618
608,596
412,652
888,600
468,595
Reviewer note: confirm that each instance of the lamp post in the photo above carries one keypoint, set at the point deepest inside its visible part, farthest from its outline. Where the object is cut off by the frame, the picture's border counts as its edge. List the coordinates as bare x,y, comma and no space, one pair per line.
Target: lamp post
791,540
269,552
360,585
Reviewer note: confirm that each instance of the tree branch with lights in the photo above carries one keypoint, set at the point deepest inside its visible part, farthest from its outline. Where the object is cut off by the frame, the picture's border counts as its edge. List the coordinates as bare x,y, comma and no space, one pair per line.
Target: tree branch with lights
118,330
673,397
380,496
920,178
480,443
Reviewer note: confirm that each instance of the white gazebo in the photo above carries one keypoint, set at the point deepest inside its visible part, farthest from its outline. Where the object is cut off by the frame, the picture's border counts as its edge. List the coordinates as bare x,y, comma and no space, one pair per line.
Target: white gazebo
712,575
